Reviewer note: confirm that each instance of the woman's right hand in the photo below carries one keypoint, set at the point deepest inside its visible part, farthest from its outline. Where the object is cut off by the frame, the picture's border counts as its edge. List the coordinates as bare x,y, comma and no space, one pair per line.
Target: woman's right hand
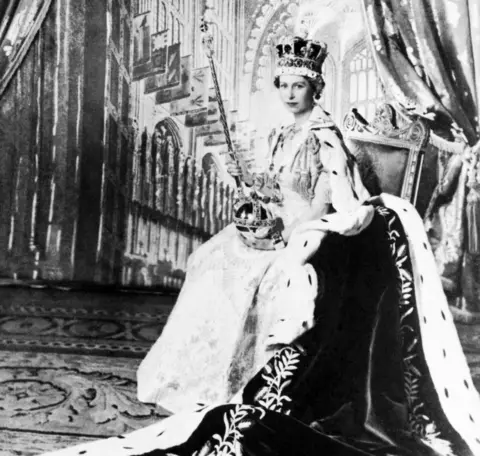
234,169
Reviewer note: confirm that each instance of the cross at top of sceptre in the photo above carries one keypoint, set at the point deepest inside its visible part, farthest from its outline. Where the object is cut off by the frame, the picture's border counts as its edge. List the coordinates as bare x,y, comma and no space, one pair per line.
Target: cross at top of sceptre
207,37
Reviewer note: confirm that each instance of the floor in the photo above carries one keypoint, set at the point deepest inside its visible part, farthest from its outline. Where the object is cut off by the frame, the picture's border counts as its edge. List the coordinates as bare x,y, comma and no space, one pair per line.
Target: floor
68,363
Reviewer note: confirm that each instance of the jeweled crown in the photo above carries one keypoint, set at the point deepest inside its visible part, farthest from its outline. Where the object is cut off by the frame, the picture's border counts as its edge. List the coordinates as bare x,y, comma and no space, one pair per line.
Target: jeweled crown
300,56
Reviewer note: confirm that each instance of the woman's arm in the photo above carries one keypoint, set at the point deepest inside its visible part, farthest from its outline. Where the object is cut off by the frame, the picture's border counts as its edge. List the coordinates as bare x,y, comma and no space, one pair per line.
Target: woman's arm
346,192
257,176
339,182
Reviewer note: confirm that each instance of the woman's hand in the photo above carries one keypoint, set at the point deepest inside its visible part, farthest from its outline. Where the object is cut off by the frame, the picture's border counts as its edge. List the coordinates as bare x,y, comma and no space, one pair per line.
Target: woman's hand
234,169
258,180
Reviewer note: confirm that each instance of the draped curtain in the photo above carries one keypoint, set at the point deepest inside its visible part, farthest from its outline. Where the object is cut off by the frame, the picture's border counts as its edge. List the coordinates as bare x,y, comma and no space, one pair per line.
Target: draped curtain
427,54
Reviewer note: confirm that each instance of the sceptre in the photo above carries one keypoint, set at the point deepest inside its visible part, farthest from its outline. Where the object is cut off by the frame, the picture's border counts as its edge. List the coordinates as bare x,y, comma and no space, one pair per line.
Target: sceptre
254,221
207,41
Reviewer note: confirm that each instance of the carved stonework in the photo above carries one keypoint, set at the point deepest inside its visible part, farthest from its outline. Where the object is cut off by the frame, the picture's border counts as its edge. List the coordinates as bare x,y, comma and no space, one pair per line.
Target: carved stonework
188,205
274,18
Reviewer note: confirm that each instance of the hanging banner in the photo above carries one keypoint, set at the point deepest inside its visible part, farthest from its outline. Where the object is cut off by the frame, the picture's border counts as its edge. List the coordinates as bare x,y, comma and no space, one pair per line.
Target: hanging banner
217,138
155,83
196,118
142,64
241,132
180,91
173,65
204,116
233,123
159,51
171,76
197,94
213,124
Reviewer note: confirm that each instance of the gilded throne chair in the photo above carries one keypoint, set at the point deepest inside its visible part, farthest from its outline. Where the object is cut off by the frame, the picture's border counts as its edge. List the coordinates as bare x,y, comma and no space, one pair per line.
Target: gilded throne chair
393,154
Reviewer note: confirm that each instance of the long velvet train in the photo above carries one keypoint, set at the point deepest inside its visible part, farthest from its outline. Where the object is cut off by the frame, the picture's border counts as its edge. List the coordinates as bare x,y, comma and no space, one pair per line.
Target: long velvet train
372,377
357,383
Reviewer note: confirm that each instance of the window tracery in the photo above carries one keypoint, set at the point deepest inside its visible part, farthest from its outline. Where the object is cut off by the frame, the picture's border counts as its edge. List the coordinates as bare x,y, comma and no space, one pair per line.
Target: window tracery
172,18
364,89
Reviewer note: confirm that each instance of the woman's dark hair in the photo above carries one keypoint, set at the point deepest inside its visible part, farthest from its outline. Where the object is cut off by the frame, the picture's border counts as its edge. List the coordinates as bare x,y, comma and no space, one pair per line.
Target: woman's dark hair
316,85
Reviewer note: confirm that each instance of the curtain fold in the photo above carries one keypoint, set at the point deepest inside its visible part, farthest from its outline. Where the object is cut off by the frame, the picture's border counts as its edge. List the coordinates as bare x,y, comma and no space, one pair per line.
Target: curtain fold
427,54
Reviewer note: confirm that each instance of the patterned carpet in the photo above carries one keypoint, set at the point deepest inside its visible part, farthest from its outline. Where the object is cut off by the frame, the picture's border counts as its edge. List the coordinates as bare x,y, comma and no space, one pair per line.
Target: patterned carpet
68,363
108,324
61,396
67,366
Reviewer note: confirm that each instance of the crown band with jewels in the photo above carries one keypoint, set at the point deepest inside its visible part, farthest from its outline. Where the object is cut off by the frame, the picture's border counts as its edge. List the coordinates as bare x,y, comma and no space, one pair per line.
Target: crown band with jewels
301,57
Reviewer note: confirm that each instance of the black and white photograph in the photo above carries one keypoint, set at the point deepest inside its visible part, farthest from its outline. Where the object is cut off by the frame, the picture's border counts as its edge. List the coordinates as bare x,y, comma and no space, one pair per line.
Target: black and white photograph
240,227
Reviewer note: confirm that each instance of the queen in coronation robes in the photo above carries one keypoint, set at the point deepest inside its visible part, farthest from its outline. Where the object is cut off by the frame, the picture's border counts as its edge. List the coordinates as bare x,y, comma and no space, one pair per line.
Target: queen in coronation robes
316,323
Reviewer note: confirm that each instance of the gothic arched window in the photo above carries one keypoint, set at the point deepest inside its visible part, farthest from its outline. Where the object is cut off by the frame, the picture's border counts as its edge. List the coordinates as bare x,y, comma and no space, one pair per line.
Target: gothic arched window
143,6
329,76
161,23
363,89
209,164
164,154
172,28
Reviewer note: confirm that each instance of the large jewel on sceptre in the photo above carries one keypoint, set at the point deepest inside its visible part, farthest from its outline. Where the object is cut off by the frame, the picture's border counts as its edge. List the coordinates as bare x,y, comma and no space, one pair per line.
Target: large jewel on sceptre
255,223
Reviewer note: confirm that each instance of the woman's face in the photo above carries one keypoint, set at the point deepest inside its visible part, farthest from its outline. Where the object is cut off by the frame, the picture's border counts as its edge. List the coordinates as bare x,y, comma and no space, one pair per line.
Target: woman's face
296,93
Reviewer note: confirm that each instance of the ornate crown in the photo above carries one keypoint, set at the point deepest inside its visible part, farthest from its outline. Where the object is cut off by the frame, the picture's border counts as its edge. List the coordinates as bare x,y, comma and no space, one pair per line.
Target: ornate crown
302,57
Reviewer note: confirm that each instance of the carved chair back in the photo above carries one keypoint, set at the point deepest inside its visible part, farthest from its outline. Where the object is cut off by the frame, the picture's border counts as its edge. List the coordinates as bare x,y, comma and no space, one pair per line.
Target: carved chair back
390,156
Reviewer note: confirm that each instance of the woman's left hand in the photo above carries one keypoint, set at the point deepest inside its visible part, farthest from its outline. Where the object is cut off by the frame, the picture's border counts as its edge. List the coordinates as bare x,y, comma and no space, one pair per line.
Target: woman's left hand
234,168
